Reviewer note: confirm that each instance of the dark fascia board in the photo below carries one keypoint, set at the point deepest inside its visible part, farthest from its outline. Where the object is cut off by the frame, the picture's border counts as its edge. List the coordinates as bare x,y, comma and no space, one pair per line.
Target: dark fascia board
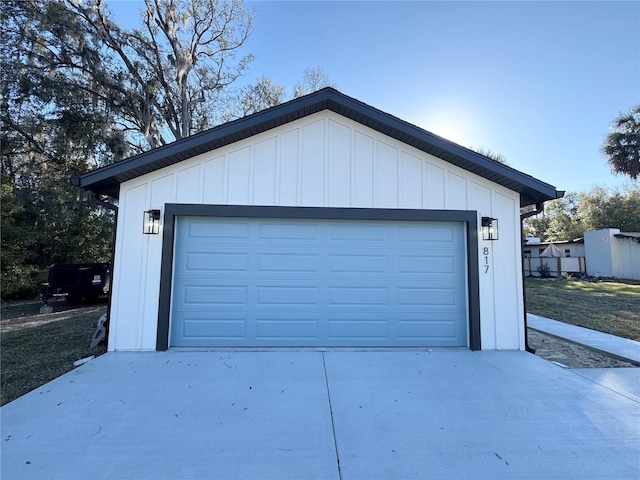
633,238
106,180
546,244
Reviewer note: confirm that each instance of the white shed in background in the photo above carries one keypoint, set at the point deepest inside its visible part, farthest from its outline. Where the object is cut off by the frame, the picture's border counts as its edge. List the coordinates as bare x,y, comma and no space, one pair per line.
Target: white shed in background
319,222
611,253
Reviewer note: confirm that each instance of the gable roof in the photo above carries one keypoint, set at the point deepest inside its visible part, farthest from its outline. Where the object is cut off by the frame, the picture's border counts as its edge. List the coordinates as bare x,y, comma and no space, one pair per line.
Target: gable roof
106,180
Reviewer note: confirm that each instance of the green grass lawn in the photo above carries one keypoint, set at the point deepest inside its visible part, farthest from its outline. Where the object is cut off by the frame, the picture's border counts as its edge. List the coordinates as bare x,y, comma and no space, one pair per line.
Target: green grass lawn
36,348
608,307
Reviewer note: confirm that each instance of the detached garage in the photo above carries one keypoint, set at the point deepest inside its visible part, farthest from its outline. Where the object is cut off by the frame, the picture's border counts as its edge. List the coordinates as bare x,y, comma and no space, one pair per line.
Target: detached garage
322,222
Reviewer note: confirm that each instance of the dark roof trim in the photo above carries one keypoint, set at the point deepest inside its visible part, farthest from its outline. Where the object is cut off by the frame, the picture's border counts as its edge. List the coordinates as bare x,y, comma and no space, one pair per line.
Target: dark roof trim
622,236
546,244
106,180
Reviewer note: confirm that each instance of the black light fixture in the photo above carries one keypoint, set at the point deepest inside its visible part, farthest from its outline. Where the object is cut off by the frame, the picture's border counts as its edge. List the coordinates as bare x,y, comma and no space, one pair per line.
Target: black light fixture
489,228
151,225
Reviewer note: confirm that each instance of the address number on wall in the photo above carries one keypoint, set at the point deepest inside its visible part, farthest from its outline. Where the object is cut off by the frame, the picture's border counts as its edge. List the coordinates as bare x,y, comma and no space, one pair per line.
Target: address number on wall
485,252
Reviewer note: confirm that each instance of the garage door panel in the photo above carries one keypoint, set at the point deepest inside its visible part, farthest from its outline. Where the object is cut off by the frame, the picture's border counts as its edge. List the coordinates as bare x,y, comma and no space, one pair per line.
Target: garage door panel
288,262
203,231
358,296
215,295
444,332
318,283
356,330
215,262
272,329
445,234
358,263
229,330
287,230
422,264
357,232
287,295
196,262
342,330
194,329
416,296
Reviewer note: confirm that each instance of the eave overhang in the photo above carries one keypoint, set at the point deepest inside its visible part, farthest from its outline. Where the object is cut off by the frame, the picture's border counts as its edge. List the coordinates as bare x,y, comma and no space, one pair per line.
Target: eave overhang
106,180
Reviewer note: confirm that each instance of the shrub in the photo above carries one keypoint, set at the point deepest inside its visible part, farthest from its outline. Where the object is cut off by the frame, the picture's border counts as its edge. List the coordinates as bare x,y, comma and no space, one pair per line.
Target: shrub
544,270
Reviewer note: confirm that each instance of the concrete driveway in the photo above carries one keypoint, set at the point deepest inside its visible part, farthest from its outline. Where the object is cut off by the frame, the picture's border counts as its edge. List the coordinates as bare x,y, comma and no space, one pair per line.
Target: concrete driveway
311,414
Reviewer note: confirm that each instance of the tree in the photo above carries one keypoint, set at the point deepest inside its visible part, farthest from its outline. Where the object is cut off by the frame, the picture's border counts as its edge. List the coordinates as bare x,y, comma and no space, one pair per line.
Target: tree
535,226
159,82
569,217
622,146
617,209
165,78
564,222
16,275
265,93
313,79
498,157
79,92
50,131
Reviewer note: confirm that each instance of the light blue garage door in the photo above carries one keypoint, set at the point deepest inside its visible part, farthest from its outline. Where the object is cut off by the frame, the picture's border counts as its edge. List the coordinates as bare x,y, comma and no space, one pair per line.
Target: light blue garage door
280,282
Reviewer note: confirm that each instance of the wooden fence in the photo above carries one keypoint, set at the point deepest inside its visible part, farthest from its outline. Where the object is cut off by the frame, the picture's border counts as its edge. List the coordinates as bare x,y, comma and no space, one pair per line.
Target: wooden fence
558,265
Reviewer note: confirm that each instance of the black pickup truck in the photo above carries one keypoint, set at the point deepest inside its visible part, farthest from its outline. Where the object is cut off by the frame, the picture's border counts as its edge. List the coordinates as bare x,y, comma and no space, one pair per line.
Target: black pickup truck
77,282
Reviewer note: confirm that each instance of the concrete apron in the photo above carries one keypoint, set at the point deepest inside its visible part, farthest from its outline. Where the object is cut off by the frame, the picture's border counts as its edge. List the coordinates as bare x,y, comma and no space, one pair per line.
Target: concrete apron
310,414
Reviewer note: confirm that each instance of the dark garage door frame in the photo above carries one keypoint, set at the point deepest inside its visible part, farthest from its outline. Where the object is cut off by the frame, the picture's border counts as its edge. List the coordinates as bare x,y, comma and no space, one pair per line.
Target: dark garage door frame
174,210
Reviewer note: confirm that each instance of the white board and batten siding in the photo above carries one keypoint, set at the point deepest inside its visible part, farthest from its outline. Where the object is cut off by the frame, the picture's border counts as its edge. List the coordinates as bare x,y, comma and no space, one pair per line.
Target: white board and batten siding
322,160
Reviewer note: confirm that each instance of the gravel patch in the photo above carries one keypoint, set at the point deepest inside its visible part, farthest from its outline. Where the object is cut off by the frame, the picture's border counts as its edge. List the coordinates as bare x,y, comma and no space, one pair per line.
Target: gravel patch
570,354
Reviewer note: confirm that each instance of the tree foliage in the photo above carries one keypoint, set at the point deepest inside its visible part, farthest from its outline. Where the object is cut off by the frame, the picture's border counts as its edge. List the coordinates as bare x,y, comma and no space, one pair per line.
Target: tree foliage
622,146
160,81
50,131
16,274
265,93
313,79
498,157
564,220
535,226
569,217
79,92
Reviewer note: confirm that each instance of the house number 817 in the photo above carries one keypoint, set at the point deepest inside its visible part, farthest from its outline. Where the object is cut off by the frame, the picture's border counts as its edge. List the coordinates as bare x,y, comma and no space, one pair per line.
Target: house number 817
485,252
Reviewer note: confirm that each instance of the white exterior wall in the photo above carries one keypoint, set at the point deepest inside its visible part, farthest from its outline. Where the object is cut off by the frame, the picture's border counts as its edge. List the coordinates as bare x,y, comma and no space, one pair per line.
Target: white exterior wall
608,256
577,249
323,160
597,246
626,258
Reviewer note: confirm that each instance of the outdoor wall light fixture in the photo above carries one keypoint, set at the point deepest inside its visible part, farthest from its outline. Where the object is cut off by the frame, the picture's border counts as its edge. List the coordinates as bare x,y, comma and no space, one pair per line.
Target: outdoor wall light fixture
489,228
151,225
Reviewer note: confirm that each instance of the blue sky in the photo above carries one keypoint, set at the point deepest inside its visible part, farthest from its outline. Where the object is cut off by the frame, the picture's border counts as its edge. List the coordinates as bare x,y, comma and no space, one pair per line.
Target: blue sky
538,82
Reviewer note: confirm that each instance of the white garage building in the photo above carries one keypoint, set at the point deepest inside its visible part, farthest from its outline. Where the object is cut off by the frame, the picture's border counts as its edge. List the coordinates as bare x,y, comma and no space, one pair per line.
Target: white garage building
322,222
